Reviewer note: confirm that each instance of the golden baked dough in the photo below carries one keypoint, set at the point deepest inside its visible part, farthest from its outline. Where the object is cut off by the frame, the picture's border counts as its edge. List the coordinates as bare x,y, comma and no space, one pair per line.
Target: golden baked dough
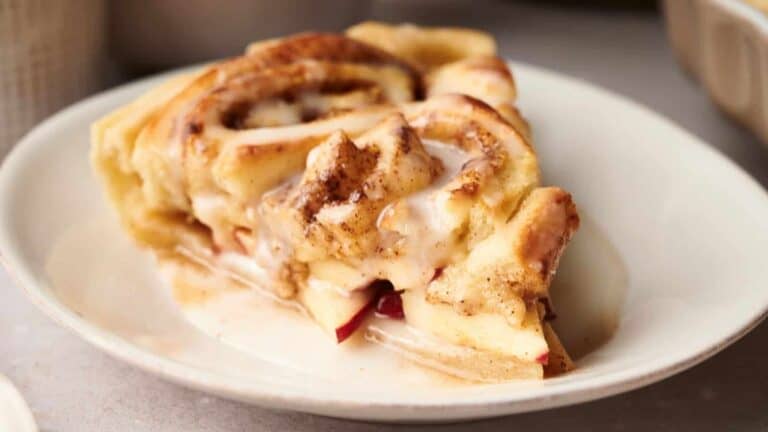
425,48
391,157
452,60
762,5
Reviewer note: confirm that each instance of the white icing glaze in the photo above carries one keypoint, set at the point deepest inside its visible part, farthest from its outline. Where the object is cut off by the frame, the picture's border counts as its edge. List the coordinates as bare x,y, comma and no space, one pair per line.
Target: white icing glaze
423,231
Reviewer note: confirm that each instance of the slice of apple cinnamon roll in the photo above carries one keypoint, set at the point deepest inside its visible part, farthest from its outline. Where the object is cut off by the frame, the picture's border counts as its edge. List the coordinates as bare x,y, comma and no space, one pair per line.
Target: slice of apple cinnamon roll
385,170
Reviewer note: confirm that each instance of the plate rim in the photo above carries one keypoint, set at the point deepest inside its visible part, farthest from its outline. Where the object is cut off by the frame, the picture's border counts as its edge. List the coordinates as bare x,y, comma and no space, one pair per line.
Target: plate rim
607,384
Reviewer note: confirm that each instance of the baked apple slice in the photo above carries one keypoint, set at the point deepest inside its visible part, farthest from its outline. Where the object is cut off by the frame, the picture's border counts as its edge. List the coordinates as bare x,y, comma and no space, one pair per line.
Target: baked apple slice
483,331
338,312
454,360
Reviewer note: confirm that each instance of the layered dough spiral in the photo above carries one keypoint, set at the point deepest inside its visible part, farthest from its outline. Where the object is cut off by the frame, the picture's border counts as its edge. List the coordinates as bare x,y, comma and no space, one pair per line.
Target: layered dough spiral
320,160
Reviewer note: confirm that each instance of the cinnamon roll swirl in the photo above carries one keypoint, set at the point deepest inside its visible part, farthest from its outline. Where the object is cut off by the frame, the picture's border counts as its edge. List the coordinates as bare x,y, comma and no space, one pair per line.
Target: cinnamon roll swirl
388,169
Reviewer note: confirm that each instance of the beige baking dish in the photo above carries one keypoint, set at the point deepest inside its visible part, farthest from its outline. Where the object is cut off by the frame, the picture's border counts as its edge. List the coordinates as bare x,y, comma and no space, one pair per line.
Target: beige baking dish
724,44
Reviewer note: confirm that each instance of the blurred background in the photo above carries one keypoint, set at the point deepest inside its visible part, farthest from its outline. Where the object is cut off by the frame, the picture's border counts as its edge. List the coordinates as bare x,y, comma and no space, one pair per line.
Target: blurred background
53,53
701,63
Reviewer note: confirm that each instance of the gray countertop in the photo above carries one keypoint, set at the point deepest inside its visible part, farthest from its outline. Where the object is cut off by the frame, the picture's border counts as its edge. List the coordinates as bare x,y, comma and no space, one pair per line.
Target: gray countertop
71,386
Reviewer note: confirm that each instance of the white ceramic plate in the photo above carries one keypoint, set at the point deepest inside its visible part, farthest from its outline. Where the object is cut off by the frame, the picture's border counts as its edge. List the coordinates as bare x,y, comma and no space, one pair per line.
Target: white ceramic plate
671,255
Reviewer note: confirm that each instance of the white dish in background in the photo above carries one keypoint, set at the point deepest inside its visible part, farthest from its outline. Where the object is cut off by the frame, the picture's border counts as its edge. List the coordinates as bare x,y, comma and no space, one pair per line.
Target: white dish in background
724,45
15,415
671,254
